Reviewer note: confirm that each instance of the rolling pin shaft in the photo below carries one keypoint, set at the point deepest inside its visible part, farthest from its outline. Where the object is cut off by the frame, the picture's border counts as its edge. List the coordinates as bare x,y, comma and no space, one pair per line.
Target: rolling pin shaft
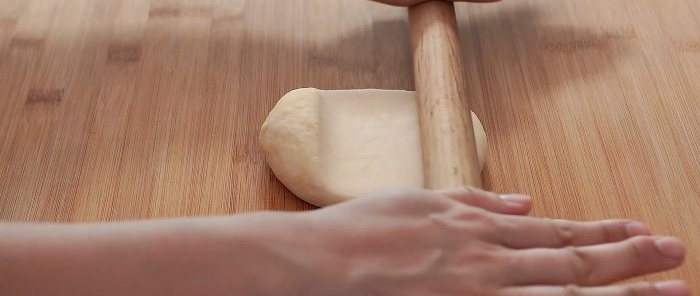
447,134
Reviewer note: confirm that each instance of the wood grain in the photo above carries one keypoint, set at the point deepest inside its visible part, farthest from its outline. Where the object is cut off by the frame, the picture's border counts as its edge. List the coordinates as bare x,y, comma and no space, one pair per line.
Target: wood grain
447,134
131,109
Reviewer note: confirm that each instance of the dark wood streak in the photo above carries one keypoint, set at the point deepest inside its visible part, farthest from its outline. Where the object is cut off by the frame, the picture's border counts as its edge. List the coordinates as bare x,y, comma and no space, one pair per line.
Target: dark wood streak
689,45
588,42
124,52
174,12
164,12
44,96
28,42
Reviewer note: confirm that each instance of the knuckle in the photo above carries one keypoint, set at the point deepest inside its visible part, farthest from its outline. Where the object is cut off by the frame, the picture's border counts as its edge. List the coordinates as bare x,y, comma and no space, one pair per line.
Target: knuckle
636,251
640,289
572,290
509,263
451,219
477,222
474,193
608,231
443,220
468,196
491,259
481,217
613,230
468,190
581,264
501,255
564,232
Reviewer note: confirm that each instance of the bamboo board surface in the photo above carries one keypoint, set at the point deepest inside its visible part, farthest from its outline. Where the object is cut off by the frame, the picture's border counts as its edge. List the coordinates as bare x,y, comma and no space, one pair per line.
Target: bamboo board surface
132,109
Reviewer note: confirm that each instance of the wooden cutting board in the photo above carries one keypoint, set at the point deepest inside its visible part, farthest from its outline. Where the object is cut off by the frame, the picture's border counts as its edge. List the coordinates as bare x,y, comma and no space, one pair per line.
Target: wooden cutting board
130,109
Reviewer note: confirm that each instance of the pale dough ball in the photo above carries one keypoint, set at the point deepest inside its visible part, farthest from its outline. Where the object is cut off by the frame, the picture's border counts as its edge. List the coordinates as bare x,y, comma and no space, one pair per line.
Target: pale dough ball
327,146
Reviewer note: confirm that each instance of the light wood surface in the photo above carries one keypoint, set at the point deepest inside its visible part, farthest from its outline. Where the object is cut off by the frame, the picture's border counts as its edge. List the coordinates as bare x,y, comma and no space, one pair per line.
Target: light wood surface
447,134
129,109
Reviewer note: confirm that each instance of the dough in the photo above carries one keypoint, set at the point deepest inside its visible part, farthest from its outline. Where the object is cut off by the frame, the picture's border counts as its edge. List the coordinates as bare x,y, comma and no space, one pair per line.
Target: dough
327,146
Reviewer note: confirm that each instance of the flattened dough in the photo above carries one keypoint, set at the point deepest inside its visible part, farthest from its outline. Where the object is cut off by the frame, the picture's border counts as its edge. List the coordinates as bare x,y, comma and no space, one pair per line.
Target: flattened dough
327,146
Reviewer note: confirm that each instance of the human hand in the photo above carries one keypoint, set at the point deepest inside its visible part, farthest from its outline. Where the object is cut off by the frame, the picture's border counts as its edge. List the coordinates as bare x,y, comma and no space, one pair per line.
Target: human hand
427,243
414,2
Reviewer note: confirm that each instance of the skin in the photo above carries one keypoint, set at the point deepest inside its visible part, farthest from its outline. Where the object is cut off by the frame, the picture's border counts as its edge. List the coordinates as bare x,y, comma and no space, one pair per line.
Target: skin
414,2
456,242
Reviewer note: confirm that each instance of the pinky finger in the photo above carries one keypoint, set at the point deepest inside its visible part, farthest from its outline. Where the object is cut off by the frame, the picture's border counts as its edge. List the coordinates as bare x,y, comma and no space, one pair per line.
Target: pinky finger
669,288
510,204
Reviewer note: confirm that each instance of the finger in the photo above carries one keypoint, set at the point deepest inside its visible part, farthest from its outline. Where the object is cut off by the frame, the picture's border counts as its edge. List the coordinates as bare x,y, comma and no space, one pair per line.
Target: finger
668,288
526,232
595,265
510,204
416,2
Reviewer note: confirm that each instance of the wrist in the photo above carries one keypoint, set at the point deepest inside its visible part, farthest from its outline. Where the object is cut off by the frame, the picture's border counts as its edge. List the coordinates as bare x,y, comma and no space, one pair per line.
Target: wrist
247,254
292,254
256,253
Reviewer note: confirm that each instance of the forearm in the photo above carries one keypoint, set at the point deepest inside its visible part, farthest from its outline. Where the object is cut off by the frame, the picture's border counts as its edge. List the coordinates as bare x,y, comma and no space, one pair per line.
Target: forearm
212,256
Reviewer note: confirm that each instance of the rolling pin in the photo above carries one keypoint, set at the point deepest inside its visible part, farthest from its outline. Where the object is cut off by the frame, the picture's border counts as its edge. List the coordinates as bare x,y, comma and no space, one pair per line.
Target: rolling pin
447,135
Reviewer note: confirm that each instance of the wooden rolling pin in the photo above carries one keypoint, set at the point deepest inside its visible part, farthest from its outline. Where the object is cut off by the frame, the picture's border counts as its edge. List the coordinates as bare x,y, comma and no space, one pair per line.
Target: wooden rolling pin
449,146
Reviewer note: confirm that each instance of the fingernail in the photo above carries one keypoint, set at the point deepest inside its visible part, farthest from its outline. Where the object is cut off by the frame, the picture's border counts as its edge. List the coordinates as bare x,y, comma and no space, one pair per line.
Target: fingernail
672,288
515,198
636,229
670,247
